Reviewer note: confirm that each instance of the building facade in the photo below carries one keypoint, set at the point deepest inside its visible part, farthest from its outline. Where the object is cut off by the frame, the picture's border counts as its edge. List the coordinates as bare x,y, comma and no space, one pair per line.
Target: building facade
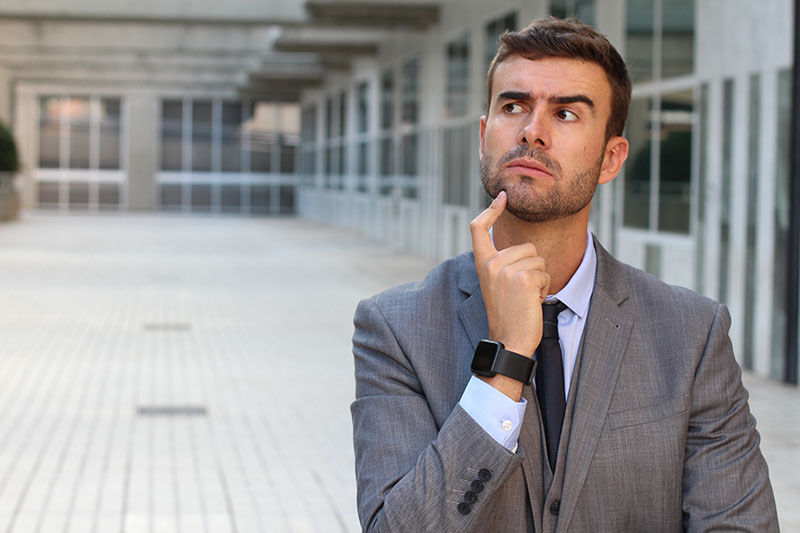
391,147
365,115
123,106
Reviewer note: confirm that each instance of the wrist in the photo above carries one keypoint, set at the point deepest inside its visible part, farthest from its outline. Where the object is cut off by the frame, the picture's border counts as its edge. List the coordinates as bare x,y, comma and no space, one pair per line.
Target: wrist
492,358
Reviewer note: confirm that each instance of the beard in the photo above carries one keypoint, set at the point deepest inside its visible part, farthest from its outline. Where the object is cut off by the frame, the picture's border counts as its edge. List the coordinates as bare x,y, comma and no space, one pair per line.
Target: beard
566,197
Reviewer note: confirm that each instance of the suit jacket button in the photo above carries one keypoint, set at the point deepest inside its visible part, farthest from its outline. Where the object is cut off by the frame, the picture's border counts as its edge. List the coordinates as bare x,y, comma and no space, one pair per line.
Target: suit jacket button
555,507
484,475
477,485
470,497
464,508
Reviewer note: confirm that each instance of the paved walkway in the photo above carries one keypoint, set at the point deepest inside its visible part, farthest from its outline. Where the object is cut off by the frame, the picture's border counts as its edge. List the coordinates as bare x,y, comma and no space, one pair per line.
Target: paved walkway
194,375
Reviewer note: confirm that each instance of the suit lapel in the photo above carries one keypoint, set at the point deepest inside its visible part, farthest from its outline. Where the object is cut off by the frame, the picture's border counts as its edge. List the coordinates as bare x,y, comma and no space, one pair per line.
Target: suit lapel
472,312
608,327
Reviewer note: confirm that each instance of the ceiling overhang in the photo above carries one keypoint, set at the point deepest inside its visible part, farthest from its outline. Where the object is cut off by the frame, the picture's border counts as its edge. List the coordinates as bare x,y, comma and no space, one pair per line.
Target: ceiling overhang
385,14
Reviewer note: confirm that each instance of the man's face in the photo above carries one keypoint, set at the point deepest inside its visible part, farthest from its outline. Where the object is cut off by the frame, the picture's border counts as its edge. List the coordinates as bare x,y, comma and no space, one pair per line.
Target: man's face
543,141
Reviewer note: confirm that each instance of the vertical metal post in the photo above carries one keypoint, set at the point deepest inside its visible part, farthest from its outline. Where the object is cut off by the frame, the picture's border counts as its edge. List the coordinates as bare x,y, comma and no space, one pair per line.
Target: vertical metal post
793,282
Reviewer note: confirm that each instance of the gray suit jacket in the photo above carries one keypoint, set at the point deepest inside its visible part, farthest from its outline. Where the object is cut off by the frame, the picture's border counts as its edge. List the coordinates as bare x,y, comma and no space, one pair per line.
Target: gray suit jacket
658,435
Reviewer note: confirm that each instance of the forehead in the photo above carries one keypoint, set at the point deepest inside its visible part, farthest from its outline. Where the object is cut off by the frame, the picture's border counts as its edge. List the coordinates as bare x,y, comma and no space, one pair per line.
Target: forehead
551,77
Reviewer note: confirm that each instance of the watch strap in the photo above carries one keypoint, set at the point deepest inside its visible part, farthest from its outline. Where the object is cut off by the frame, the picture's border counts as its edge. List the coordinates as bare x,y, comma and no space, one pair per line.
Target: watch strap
515,366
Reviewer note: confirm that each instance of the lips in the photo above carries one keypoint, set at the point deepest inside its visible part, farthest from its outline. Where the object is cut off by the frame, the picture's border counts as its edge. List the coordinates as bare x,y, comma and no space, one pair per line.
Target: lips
528,166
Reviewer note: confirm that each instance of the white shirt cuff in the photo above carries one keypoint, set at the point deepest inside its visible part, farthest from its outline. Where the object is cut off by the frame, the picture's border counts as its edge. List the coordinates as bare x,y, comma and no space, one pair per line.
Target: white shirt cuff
499,415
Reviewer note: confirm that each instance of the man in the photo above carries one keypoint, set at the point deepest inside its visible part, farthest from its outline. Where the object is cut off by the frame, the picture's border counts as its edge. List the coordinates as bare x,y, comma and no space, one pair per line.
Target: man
636,419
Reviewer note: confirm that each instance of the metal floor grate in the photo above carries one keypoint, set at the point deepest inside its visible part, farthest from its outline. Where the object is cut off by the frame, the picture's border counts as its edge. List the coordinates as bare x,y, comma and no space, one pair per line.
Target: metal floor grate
172,410
167,326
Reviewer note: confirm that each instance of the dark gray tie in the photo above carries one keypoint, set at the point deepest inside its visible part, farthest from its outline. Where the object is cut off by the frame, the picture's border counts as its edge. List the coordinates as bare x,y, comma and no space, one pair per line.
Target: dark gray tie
550,379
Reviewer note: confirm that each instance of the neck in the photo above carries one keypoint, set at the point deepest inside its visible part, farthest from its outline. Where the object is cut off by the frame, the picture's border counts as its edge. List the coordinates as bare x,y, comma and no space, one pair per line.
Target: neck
561,243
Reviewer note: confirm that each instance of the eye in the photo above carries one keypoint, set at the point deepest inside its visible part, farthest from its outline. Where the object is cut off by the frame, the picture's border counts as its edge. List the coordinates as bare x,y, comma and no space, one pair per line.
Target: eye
566,115
512,108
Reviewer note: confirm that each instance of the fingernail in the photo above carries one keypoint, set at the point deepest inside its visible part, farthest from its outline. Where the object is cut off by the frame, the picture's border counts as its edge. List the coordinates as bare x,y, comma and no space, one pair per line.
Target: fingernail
500,195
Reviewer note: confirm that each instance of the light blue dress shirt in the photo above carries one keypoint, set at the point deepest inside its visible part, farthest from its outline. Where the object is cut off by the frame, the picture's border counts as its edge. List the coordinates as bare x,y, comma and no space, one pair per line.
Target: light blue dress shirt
499,415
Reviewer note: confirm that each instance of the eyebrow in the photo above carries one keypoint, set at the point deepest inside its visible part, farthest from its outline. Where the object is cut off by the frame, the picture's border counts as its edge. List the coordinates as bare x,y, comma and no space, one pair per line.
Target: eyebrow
568,99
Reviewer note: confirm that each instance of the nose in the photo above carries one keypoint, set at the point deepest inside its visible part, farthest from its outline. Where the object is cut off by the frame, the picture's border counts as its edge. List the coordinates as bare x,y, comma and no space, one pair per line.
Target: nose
535,131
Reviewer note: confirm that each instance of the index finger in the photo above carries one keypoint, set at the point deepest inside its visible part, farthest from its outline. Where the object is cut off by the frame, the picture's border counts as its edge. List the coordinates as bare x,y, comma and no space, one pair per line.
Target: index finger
482,244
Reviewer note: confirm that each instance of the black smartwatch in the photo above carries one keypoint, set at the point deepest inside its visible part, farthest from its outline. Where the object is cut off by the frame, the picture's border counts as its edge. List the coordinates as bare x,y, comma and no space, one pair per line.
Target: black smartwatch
492,358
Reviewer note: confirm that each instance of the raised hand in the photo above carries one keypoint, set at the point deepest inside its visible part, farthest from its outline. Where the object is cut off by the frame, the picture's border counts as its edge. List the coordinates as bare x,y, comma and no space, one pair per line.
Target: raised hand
514,284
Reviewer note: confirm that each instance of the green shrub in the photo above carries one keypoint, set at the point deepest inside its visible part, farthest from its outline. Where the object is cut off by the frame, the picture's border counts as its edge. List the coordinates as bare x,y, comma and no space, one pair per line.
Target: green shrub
9,156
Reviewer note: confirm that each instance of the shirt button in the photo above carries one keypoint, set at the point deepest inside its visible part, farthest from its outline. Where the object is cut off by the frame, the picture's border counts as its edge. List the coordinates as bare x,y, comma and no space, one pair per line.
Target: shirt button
507,425
555,507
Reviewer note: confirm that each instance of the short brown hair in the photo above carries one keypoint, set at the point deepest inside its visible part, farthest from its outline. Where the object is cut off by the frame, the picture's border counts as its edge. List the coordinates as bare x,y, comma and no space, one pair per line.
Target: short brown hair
552,37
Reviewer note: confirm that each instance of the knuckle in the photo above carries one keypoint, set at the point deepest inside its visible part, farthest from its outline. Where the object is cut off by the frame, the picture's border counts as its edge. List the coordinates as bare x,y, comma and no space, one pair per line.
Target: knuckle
491,268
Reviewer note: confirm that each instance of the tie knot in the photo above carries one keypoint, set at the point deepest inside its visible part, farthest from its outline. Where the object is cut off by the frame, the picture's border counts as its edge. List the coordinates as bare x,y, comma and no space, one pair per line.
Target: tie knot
550,313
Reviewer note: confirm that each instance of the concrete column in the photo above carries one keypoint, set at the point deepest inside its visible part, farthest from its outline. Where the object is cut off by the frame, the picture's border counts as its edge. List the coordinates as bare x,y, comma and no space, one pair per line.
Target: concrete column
141,147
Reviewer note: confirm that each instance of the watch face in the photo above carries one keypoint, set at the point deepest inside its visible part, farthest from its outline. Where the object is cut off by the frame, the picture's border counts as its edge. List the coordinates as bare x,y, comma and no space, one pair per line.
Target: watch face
484,358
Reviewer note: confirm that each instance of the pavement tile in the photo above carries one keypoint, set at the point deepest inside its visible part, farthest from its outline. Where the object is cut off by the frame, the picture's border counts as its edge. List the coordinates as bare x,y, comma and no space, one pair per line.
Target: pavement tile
249,319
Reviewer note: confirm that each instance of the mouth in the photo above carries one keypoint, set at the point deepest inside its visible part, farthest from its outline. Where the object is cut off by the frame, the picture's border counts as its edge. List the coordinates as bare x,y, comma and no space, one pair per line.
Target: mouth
529,167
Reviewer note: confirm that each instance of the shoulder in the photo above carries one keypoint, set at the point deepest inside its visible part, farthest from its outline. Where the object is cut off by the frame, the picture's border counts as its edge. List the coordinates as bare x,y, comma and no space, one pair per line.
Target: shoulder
652,298
444,282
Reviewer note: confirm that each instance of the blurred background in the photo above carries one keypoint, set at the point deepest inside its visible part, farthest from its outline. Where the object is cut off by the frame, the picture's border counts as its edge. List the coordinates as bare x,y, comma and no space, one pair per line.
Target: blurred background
198,193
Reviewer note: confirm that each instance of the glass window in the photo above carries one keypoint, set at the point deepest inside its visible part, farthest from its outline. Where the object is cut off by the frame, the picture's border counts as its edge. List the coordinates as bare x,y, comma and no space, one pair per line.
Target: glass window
583,10
230,198
409,148
261,128
494,30
308,135
702,186
329,118
79,193
409,155
675,165
362,107
363,163
108,195
309,124
387,157
781,221
387,100
49,131
457,154
754,135
171,134
109,156
410,93
201,135
677,47
637,167
457,92
725,206
666,127
343,114
289,138
231,137
639,38
77,115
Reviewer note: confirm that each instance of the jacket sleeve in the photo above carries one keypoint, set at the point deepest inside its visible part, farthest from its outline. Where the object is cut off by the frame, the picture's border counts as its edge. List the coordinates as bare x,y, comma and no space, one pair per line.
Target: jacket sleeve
726,483
413,475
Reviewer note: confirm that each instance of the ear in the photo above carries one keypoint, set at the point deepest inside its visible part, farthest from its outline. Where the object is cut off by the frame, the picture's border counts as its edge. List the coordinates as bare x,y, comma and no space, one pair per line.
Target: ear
615,155
483,131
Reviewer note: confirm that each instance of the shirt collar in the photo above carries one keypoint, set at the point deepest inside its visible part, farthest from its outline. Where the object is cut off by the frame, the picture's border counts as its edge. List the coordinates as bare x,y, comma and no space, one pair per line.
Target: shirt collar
578,291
